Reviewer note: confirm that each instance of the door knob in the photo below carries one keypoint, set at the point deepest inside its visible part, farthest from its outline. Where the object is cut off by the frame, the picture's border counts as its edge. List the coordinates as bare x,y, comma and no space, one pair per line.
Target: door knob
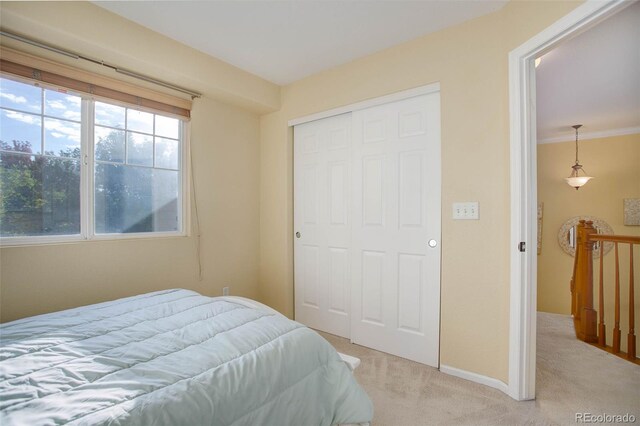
298,235
433,243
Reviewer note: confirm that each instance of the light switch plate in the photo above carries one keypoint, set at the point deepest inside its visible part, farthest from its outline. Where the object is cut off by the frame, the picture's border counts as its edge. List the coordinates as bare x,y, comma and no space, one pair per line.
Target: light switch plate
466,211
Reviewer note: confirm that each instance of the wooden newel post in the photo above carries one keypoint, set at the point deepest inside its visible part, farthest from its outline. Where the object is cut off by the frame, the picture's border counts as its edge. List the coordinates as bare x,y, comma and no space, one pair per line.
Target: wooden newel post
584,283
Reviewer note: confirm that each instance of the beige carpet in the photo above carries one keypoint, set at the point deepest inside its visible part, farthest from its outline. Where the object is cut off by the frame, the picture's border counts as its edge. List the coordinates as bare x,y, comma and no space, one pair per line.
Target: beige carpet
406,393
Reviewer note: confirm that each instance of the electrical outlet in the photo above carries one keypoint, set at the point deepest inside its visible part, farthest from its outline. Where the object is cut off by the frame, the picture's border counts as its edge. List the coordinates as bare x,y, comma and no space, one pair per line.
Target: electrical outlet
466,211
225,291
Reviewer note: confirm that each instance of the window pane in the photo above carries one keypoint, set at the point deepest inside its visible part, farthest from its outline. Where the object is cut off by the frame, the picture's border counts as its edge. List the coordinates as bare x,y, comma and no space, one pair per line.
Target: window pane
62,105
167,151
40,196
61,138
109,115
109,144
20,132
139,149
134,199
167,127
21,96
139,121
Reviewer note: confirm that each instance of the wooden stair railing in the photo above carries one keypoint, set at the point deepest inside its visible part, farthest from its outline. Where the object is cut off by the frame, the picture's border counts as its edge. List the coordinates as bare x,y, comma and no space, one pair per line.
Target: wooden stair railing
589,326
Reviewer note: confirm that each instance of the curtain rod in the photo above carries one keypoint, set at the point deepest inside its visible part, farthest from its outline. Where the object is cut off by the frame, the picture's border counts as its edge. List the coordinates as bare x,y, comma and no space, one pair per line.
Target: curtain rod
99,62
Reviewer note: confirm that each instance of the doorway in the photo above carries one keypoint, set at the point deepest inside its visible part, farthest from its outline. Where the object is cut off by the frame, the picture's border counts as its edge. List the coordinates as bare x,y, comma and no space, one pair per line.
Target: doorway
524,206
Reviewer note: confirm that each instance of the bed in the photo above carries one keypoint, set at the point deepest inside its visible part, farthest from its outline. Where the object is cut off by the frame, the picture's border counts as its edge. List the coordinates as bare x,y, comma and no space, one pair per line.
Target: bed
173,357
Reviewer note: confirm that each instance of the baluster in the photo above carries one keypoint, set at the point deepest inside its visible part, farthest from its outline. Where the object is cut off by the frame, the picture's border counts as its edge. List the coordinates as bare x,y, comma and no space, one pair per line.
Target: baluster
589,317
573,289
616,326
602,337
631,338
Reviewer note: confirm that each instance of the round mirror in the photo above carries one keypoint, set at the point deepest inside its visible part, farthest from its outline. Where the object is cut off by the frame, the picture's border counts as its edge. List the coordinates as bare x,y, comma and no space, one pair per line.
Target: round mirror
568,234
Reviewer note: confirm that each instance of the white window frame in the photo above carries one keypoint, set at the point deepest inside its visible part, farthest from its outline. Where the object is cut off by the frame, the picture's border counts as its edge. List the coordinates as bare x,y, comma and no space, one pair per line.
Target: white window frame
87,171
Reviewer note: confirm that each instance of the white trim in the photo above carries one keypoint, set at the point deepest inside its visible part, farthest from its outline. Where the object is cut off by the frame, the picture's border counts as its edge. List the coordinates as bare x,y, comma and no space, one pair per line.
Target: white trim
85,176
43,240
592,135
523,164
40,240
87,193
475,377
368,103
137,235
185,176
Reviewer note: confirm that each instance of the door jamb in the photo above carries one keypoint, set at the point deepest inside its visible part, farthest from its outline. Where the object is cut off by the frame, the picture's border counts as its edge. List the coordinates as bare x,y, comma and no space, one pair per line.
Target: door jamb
523,164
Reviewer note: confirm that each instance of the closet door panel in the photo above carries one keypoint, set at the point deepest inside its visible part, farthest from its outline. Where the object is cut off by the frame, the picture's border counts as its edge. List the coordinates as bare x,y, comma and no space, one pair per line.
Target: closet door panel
322,219
396,212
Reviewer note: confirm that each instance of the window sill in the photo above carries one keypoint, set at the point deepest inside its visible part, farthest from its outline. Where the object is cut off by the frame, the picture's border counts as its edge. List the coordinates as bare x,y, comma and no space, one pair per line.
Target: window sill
8,242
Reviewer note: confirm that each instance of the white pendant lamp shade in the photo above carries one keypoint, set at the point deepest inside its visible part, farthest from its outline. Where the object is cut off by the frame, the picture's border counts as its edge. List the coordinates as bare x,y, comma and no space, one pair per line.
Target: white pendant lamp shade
577,181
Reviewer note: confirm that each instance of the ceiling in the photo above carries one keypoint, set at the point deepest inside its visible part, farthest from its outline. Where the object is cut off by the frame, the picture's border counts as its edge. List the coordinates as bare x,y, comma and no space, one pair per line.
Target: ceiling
287,40
593,80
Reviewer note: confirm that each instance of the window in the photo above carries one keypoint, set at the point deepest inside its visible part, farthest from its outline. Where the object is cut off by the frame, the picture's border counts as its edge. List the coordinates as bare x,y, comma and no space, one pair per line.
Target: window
137,176
76,168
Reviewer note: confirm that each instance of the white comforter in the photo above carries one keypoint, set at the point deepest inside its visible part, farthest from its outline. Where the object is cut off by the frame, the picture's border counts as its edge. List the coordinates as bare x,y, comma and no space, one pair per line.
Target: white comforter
172,358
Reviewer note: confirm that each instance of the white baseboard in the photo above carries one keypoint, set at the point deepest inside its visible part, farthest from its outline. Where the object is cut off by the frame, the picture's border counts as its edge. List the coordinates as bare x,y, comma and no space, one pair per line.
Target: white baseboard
474,377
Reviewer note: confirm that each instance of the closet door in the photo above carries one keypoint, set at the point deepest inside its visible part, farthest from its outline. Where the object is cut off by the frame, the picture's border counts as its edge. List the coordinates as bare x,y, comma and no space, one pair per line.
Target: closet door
396,228
322,187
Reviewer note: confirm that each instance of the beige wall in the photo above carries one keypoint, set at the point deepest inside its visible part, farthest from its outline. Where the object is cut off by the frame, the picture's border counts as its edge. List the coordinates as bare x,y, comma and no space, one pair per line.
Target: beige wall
470,62
224,143
614,162
225,148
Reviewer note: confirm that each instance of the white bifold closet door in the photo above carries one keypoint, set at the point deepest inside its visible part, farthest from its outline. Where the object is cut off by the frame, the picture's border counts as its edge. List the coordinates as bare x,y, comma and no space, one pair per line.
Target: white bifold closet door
367,263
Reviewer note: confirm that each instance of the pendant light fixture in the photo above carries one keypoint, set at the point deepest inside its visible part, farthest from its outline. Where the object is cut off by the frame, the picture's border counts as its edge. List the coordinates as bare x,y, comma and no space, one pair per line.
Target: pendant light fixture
575,180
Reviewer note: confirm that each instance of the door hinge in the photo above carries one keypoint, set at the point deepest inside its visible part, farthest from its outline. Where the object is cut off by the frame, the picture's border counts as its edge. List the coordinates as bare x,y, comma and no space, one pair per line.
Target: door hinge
522,246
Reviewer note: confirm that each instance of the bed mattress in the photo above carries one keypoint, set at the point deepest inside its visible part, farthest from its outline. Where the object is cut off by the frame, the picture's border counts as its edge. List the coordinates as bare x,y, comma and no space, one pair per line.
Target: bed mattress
173,357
